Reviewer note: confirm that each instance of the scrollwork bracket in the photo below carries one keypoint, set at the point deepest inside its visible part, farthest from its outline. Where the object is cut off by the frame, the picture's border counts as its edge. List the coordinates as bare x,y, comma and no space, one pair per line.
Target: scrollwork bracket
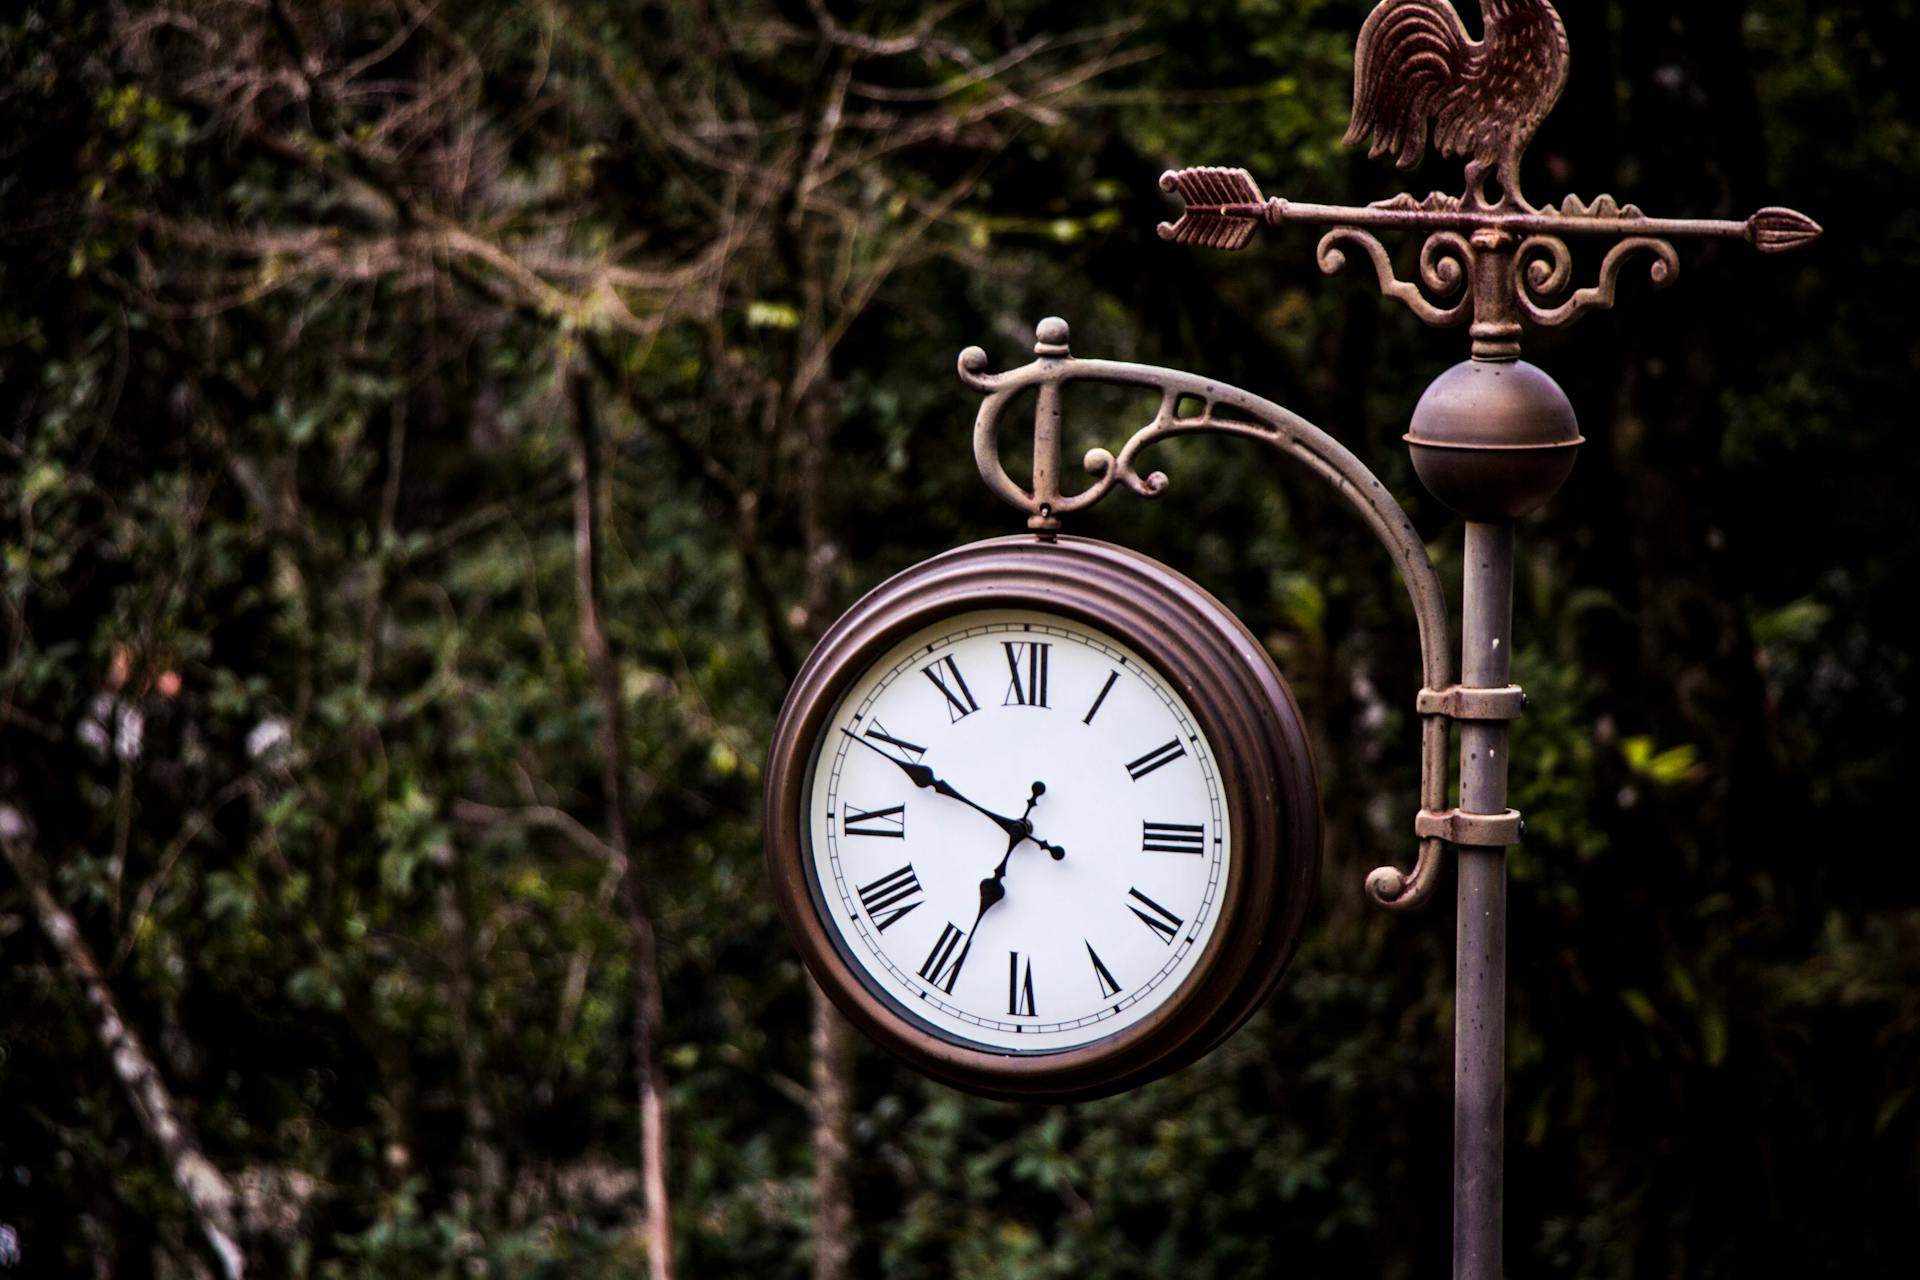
1191,405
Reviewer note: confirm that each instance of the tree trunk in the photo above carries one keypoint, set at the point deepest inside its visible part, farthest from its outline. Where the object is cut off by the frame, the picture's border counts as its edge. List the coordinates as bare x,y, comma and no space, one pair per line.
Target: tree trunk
832,1039
486,1162
205,1188
833,1225
648,1009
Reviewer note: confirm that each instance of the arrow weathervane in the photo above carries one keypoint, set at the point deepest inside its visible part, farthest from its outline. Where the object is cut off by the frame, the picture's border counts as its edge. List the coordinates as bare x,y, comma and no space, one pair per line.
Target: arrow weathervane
1492,260
1492,438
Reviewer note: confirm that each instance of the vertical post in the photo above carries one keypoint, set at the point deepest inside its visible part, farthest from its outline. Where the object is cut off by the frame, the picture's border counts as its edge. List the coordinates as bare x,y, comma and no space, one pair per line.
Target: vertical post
1050,344
1480,965
1493,439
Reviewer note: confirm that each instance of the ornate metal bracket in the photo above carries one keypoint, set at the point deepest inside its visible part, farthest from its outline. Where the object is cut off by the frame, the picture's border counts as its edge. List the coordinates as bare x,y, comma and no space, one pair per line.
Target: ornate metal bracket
1494,267
1489,258
1191,405
1491,438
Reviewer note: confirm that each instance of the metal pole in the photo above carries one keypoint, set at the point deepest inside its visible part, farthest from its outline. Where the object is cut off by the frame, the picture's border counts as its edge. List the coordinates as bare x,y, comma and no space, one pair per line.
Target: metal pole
1492,439
1480,966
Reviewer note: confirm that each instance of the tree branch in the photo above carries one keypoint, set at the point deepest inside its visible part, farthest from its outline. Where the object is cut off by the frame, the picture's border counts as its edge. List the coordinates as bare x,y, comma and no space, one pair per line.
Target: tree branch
206,1189
649,1008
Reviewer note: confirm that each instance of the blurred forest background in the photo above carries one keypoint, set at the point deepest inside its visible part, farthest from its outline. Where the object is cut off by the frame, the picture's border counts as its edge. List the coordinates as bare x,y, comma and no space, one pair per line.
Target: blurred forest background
433,435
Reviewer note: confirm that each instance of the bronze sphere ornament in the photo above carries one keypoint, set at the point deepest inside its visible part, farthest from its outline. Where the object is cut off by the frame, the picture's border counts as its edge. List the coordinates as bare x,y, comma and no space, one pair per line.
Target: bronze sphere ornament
1041,816
1493,439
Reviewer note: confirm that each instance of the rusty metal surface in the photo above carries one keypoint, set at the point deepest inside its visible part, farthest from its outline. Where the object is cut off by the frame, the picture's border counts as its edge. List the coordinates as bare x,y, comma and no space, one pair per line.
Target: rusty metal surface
1488,265
1480,955
1493,440
1490,258
1487,830
1192,405
1461,703
1416,67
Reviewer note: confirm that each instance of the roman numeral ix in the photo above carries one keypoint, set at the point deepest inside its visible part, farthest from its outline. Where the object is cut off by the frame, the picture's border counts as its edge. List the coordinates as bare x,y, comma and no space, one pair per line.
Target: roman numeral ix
887,899
890,822
1032,690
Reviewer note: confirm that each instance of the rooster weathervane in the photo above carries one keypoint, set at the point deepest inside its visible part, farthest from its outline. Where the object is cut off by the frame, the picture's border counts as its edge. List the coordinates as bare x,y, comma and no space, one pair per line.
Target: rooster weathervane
1492,439
1491,260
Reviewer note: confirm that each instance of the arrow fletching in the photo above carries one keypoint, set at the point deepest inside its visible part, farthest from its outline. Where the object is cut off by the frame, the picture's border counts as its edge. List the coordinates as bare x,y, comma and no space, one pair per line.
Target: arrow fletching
1224,207
1778,230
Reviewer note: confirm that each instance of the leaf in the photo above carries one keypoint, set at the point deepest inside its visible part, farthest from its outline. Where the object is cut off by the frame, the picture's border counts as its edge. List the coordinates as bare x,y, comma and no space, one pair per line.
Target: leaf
1639,1006
771,315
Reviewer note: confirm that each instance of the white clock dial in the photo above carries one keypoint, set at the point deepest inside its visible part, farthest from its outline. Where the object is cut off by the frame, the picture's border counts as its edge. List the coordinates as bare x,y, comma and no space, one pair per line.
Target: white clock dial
1019,832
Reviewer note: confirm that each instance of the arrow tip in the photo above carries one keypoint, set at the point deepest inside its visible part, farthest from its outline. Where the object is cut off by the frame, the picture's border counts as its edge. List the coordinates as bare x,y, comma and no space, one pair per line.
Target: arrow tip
1776,230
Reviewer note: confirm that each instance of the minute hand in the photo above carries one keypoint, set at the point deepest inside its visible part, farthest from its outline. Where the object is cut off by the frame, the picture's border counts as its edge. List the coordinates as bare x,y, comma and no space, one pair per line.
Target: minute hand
921,776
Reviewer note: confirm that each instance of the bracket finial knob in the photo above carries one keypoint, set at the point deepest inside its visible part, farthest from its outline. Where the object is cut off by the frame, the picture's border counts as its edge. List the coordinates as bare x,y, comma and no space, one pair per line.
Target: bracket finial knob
1050,337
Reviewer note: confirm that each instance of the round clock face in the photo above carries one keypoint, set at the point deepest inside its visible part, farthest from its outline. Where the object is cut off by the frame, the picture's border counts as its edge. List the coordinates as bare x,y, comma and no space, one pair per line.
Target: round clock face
1018,831
1042,819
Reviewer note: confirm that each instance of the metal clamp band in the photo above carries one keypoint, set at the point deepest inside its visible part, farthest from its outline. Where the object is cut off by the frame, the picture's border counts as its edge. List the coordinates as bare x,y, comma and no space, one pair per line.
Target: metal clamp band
1479,830
1461,703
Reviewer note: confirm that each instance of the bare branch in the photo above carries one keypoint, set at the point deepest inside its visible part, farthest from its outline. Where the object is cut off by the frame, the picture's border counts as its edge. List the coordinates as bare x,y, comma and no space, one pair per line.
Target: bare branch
205,1188
582,837
918,40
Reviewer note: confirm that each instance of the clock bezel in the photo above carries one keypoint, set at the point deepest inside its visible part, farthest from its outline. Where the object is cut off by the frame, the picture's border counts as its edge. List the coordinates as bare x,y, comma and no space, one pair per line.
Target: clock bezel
1237,698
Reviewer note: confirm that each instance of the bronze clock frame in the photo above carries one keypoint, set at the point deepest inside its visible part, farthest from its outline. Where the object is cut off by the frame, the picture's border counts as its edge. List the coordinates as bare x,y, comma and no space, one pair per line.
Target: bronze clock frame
1238,698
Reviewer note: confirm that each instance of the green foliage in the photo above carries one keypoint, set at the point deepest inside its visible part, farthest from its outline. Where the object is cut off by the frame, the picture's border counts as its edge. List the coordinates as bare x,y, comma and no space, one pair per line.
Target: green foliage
286,494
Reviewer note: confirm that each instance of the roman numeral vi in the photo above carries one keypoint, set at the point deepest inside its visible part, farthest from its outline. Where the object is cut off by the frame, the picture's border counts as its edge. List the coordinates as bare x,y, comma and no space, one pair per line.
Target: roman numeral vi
1020,987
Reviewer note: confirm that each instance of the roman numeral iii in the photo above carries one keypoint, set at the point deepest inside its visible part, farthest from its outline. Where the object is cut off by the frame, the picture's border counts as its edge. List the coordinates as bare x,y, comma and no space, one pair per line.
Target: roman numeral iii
1163,922
1160,755
891,822
942,968
960,704
1020,987
891,896
1030,660
1172,837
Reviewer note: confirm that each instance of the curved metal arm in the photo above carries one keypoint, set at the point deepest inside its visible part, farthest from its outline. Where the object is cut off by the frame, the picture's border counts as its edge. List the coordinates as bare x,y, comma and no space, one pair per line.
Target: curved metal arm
1446,262
1223,410
1544,268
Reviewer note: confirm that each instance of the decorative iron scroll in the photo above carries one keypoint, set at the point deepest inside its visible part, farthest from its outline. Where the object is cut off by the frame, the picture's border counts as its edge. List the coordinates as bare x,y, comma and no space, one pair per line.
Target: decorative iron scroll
1491,264
1191,405
1489,259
